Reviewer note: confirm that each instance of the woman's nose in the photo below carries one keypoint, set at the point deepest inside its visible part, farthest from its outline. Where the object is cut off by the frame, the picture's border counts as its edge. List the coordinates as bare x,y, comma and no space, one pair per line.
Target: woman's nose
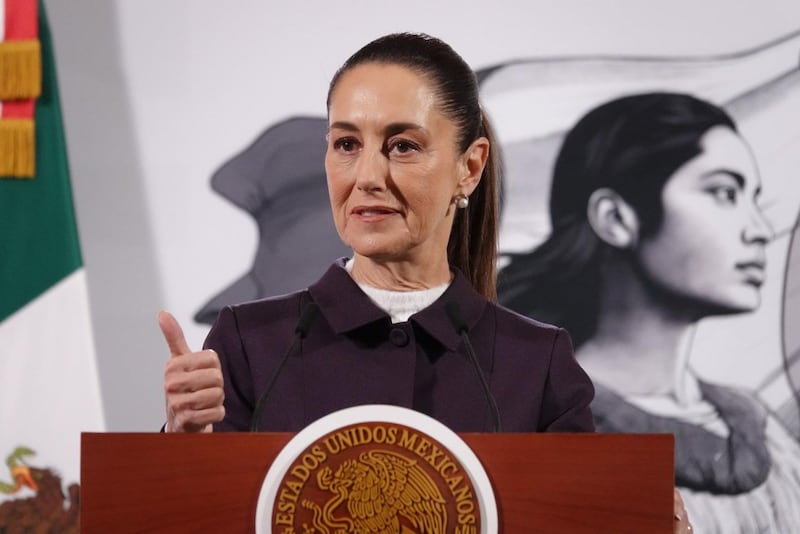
758,230
372,170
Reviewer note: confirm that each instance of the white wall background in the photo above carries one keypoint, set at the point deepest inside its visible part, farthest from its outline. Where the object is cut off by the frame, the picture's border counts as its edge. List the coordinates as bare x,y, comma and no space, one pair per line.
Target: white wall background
157,94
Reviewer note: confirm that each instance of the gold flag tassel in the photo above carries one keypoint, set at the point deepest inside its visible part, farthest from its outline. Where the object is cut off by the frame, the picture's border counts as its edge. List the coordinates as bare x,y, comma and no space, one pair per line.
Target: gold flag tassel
20,69
17,148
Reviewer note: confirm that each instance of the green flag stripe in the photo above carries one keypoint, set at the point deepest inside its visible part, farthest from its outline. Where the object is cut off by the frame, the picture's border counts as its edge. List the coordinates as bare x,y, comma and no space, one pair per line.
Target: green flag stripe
38,236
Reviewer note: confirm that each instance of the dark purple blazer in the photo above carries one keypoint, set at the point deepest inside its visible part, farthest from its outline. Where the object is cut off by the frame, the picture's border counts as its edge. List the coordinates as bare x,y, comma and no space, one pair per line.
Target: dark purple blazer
354,355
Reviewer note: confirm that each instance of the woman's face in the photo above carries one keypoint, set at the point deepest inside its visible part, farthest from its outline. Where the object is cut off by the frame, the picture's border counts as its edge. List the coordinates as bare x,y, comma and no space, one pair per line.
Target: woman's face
393,165
709,248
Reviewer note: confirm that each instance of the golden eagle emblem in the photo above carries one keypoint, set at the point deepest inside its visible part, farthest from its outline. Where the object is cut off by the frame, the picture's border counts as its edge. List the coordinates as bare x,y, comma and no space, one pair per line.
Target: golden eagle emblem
384,492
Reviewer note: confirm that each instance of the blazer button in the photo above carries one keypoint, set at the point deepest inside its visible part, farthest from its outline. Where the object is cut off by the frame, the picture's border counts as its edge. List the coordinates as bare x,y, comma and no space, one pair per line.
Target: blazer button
398,337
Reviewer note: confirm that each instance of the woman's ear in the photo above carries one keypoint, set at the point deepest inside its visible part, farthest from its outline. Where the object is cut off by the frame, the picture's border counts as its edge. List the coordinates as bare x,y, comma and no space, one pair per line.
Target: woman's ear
613,219
473,162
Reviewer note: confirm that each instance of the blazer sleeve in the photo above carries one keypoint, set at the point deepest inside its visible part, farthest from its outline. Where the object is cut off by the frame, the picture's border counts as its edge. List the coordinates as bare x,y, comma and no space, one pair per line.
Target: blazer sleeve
226,340
568,391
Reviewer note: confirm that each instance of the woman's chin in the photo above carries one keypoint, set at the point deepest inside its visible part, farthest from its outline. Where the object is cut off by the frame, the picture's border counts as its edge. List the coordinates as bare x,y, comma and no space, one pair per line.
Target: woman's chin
740,301
377,253
378,247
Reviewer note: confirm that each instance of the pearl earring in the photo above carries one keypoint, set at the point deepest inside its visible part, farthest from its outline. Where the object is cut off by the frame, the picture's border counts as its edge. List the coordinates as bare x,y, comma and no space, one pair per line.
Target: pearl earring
462,201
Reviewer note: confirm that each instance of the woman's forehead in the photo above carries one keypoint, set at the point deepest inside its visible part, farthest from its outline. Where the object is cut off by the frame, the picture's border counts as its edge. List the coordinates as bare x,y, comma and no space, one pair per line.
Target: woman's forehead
386,79
725,153
376,94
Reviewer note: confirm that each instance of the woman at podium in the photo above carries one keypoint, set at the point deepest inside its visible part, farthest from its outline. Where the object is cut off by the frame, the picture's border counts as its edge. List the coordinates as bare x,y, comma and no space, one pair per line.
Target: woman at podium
413,185
410,319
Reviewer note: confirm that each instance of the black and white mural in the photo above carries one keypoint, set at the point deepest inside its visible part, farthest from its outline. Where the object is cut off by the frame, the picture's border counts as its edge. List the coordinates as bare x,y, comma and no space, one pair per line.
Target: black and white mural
663,210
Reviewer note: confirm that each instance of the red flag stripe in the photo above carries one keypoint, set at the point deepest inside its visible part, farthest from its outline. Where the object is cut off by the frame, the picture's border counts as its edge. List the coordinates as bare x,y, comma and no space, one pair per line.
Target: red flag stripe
17,109
21,20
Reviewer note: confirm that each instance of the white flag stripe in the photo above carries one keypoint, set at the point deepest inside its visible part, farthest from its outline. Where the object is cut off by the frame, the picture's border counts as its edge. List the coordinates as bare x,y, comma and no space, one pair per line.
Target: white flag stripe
50,389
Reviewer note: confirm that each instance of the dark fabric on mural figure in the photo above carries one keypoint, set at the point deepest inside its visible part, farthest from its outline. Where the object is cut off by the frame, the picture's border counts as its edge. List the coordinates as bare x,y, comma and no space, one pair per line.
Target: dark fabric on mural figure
353,355
704,460
737,467
279,180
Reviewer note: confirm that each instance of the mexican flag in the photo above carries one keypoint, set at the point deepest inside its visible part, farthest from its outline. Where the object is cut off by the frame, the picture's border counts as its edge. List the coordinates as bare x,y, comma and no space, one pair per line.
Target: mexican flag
49,388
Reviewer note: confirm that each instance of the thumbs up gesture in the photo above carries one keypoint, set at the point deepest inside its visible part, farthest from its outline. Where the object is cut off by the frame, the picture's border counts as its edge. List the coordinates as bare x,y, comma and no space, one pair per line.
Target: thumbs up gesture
193,384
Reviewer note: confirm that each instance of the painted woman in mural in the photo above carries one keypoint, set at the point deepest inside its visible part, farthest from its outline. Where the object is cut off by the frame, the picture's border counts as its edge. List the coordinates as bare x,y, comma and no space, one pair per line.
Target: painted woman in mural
533,103
656,224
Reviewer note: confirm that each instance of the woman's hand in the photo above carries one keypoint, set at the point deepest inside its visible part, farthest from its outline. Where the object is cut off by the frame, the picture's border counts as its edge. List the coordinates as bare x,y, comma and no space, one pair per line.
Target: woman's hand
193,385
682,524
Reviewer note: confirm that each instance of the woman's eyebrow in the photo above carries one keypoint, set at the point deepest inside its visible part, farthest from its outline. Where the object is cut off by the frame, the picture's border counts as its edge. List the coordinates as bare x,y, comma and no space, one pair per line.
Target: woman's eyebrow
737,176
343,125
397,127
390,129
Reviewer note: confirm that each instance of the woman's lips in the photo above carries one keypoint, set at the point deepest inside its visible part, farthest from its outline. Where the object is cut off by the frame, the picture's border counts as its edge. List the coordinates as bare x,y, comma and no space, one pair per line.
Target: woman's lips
373,213
753,271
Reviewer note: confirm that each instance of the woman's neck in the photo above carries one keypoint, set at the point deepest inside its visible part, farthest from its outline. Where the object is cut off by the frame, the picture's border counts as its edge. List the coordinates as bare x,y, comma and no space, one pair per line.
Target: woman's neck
400,275
639,334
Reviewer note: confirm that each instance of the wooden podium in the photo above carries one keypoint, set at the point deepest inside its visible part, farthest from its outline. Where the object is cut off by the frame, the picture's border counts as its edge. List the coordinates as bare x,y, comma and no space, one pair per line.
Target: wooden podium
566,483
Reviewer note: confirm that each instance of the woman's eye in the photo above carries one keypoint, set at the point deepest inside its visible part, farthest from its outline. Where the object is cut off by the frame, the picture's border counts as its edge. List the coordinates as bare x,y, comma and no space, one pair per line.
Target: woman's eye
402,147
725,195
345,144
